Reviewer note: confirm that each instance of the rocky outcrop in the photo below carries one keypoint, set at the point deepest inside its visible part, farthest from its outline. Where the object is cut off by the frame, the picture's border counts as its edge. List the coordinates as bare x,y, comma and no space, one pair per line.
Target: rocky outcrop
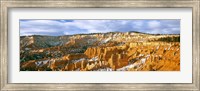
28,66
58,64
120,56
73,56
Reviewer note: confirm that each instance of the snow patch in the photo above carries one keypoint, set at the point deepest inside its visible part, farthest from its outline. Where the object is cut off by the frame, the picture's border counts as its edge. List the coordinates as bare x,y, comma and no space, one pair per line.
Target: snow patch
125,68
143,60
104,69
41,63
94,59
78,60
140,55
106,40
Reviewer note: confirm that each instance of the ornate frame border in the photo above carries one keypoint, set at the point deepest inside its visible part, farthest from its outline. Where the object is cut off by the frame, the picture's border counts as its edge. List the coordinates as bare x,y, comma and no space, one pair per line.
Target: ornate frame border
6,4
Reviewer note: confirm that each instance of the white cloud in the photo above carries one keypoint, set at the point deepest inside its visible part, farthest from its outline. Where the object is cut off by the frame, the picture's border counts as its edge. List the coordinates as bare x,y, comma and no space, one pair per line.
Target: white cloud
40,26
62,27
137,24
66,33
175,29
154,24
91,25
94,26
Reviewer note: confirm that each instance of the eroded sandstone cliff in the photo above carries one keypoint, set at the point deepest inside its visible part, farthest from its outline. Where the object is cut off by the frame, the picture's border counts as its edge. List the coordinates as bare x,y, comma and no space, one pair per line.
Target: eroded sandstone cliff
101,52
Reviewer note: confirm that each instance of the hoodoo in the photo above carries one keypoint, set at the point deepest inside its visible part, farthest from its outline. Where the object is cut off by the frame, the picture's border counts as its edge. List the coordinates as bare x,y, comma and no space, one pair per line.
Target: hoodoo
113,51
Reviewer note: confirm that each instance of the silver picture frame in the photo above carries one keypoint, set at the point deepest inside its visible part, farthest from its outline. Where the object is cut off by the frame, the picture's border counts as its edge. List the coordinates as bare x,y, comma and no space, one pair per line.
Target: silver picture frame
5,5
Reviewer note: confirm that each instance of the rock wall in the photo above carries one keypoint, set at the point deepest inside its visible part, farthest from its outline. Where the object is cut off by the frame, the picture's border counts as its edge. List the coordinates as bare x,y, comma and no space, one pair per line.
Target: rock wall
130,56
119,56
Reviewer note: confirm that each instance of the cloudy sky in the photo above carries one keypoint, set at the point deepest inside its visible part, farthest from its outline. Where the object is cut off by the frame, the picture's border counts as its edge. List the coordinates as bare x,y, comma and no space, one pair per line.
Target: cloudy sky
70,27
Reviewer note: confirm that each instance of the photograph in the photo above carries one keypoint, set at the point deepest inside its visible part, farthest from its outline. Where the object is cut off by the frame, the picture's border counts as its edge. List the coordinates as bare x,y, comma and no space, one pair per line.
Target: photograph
99,44
105,45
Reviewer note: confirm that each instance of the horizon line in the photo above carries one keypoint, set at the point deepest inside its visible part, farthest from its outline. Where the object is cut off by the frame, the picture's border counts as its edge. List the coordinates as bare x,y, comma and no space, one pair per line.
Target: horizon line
99,33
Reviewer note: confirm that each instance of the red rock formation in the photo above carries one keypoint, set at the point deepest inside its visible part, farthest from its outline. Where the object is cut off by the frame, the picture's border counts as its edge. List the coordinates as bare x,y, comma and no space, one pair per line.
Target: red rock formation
73,56
30,65
110,50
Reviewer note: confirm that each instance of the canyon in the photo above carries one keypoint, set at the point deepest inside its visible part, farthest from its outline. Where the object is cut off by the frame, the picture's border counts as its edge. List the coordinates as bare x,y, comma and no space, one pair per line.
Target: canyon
111,51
